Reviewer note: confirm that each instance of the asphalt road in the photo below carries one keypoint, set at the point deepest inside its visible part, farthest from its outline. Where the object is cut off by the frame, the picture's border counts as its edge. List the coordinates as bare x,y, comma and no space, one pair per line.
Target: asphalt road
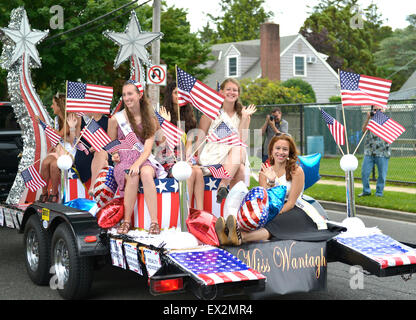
111,283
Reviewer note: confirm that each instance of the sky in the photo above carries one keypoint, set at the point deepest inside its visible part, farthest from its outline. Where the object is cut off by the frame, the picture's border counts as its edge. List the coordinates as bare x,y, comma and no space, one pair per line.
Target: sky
290,14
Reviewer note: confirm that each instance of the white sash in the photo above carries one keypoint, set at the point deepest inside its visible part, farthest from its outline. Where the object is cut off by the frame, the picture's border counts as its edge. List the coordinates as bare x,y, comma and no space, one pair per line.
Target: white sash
126,129
312,213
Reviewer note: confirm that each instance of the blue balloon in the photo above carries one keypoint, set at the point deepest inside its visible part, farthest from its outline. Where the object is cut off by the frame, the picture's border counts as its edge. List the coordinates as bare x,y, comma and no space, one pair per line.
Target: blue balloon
276,200
310,165
81,203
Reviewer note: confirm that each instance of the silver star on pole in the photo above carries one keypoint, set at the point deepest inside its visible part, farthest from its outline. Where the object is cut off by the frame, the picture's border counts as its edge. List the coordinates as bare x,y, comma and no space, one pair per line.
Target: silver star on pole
25,40
133,41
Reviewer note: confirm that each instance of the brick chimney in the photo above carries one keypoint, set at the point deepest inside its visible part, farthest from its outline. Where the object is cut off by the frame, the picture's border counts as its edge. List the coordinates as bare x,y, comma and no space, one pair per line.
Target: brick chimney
270,51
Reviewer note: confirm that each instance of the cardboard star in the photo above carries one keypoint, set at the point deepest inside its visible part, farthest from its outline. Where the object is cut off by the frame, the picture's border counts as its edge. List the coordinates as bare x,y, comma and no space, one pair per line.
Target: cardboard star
25,40
133,41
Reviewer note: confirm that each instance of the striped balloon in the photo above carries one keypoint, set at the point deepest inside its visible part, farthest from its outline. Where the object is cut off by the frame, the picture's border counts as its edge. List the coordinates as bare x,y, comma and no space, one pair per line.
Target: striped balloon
254,210
105,186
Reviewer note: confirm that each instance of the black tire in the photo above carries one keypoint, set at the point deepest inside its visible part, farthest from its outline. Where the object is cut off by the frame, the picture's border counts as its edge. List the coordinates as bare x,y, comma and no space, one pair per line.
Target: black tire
73,274
37,244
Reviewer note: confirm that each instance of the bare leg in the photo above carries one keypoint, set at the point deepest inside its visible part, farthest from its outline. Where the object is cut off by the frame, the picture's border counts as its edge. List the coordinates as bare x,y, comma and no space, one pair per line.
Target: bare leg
196,187
147,174
130,195
98,162
239,175
45,172
55,175
256,235
235,158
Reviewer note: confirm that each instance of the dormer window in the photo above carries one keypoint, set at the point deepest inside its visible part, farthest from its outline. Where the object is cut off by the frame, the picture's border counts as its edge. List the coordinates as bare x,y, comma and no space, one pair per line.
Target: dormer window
232,66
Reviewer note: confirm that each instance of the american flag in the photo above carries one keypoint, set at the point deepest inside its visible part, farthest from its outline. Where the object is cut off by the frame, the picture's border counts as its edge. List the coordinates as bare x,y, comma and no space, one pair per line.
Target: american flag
88,98
50,133
385,127
359,90
80,146
218,171
172,133
223,134
32,179
336,128
113,146
214,265
202,97
95,135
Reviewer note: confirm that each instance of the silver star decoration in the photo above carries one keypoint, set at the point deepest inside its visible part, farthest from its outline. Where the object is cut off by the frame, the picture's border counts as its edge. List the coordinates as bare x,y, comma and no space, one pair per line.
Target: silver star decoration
133,41
25,40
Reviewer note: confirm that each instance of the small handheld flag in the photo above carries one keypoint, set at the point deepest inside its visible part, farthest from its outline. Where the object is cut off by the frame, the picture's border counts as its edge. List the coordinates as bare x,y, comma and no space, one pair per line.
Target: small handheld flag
336,128
385,127
32,179
95,135
88,98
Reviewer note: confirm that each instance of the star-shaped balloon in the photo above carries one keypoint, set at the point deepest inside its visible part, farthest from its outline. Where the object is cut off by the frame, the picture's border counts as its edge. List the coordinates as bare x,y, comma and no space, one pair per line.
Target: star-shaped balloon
133,41
25,40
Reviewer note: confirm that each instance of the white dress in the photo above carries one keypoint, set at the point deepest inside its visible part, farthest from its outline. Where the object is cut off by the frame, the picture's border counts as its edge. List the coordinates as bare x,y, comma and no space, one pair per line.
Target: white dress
215,153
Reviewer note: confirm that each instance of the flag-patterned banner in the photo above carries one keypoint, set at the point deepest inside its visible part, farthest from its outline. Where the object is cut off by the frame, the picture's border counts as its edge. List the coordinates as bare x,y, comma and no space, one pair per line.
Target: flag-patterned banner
74,188
336,128
88,98
202,97
32,179
214,265
218,171
223,134
385,127
381,248
172,133
95,135
50,133
362,90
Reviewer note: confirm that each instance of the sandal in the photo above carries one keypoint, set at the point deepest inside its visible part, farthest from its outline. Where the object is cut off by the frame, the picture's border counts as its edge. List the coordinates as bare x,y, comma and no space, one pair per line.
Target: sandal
222,232
124,227
53,198
222,193
154,228
43,197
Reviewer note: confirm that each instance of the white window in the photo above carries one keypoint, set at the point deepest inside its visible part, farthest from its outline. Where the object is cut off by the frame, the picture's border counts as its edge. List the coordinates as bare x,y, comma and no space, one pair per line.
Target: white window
299,65
232,66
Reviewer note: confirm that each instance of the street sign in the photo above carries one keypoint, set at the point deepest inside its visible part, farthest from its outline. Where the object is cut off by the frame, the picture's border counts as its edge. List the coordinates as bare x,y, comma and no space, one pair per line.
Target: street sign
156,74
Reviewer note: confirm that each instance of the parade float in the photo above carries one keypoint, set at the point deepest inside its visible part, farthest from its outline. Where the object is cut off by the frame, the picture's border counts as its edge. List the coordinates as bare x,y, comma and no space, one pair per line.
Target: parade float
77,234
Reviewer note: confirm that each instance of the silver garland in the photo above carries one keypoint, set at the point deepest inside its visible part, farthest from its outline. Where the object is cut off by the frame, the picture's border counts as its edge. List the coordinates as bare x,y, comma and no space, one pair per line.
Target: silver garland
19,107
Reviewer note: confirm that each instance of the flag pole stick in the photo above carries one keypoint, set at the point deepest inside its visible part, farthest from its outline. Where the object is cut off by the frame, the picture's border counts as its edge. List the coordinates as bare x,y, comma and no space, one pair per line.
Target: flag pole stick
179,114
360,141
343,116
81,134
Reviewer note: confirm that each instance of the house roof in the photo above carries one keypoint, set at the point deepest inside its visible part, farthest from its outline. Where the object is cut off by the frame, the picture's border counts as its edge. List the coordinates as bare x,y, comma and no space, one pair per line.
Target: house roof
407,91
410,83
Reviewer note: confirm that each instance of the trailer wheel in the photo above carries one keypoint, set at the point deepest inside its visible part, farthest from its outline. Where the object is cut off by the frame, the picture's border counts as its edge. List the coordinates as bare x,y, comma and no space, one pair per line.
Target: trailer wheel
73,274
37,244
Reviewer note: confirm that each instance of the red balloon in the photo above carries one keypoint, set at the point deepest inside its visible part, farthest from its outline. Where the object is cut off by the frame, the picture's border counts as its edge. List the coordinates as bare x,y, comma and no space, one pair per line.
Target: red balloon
111,213
202,225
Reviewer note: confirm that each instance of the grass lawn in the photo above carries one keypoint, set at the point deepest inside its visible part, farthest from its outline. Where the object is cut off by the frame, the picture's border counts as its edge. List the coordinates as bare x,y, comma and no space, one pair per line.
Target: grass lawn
401,169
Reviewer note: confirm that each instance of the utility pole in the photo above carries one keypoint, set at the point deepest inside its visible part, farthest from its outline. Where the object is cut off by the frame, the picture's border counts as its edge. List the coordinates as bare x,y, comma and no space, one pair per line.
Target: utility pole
154,90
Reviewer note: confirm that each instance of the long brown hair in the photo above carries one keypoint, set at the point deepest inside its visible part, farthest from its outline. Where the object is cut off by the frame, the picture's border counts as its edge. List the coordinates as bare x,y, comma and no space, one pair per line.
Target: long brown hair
237,106
187,113
147,114
59,98
291,164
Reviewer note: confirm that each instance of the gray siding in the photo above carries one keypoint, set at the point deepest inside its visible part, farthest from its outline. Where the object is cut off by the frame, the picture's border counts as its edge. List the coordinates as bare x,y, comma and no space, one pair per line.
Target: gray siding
323,81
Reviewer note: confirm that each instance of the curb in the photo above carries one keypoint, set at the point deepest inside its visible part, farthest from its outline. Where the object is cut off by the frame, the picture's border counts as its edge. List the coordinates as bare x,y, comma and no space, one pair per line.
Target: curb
371,211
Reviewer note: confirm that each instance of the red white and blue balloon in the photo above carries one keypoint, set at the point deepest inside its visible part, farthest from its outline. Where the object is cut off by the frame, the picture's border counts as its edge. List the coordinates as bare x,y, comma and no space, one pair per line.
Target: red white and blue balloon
254,210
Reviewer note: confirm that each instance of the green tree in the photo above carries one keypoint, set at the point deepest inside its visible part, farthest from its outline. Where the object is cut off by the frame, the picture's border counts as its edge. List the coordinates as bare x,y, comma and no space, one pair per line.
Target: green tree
304,87
241,20
264,91
348,36
396,57
87,55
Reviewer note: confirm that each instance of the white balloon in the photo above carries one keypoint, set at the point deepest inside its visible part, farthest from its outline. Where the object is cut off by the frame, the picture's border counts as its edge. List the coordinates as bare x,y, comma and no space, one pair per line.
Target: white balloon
353,224
348,162
64,162
181,170
234,198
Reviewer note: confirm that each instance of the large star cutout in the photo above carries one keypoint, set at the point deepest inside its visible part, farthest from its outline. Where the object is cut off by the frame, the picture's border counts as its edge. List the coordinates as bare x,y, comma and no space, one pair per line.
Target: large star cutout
133,41
25,40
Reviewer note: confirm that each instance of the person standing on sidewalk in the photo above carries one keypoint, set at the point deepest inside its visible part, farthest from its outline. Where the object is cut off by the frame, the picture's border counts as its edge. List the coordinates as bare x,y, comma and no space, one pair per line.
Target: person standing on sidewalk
273,126
376,152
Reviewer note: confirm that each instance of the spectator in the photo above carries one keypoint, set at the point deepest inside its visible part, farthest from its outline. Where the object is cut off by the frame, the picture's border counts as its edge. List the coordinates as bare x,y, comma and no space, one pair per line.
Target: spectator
376,152
274,125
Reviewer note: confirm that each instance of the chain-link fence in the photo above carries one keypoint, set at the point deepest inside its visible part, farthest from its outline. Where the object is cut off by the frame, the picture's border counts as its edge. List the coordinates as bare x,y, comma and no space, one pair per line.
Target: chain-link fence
312,135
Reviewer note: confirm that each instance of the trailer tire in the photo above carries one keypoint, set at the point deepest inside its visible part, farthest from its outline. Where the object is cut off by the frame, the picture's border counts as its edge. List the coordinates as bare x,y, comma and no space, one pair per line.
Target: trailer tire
37,244
73,274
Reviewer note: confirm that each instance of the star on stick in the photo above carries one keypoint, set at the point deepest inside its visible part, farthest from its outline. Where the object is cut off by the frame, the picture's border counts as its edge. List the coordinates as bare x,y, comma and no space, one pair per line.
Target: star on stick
133,41
25,40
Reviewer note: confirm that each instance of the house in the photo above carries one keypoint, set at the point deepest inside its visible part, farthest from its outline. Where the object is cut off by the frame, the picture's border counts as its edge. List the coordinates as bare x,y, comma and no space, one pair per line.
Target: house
407,91
260,58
